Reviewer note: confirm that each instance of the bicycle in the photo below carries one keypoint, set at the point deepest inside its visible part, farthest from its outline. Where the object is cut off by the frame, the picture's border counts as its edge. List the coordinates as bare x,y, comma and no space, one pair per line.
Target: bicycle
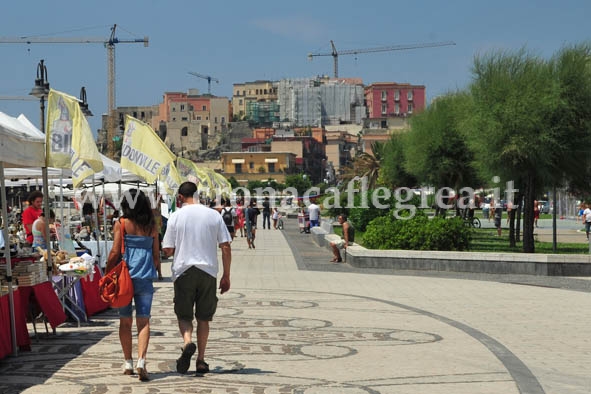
470,221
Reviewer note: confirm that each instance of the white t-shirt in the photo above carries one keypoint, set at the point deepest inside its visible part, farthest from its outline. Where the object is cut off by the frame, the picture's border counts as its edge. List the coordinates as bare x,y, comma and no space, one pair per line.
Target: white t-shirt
587,214
195,232
314,211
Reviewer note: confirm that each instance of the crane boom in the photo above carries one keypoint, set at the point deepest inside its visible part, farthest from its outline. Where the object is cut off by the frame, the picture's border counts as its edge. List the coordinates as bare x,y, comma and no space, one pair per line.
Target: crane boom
110,45
335,54
208,77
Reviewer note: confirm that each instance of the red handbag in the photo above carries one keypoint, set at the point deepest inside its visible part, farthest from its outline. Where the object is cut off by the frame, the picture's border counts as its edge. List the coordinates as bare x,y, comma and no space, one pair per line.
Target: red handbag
116,287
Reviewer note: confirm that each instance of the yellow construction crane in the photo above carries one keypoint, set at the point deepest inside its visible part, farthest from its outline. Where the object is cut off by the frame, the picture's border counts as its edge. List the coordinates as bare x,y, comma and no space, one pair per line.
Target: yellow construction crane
335,54
110,45
209,79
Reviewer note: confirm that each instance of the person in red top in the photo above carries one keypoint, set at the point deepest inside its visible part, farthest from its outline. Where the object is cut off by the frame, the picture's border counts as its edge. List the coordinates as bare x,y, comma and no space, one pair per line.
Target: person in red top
32,213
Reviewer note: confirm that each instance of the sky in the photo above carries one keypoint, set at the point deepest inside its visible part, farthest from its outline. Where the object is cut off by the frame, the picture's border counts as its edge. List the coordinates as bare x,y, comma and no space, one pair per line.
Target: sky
238,42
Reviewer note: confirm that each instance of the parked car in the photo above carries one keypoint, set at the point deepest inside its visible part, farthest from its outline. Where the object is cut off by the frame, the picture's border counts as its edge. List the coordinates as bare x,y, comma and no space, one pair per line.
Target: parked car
544,206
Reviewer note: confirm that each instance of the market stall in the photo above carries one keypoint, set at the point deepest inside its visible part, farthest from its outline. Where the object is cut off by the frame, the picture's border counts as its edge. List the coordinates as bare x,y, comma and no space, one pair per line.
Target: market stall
19,147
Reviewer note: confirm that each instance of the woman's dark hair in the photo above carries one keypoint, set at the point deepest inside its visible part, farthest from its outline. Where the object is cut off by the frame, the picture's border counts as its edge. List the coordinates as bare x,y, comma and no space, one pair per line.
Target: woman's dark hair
33,196
137,208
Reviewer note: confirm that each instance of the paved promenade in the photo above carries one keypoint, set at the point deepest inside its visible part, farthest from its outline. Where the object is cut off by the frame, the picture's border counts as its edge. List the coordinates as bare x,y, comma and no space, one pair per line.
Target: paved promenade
295,323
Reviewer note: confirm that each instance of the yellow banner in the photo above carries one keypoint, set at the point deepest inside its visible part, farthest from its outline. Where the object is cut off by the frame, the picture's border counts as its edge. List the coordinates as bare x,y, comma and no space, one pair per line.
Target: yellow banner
187,171
170,178
143,152
69,139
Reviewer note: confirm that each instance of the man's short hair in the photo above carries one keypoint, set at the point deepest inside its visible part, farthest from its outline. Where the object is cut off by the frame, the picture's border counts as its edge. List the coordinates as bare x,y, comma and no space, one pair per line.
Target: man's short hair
188,189
343,216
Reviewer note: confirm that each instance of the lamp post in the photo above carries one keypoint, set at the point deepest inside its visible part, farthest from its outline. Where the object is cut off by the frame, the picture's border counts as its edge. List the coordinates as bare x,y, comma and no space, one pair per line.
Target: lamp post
41,90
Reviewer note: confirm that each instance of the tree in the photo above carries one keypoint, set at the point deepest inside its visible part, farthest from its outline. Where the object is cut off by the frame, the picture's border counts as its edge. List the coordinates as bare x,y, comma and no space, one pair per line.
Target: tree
392,170
300,182
435,149
366,165
515,97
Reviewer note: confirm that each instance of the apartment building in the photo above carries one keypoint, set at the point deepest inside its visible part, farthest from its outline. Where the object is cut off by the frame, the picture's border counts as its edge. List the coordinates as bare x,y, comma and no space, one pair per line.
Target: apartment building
259,91
249,166
391,99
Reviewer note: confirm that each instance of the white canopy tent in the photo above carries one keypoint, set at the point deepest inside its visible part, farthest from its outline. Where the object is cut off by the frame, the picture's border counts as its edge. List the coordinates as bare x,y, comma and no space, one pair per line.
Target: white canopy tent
19,147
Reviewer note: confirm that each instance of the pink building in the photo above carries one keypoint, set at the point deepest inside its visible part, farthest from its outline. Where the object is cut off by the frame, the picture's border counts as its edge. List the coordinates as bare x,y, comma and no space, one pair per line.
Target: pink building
391,99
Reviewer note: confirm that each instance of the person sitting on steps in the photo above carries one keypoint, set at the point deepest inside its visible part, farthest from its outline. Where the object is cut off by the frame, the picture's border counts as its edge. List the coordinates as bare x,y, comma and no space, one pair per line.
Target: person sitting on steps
348,238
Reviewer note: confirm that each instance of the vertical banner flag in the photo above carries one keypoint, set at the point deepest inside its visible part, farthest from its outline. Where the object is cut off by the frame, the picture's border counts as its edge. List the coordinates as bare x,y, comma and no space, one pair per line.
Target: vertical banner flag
170,178
187,170
69,140
143,152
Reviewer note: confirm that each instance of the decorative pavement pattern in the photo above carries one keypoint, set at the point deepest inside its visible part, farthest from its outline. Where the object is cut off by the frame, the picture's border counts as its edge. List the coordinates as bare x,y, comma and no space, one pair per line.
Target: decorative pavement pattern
294,323
251,335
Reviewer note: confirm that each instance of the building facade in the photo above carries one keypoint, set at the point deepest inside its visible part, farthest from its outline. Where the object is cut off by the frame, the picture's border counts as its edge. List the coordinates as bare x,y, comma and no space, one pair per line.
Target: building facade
252,92
249,166
391,99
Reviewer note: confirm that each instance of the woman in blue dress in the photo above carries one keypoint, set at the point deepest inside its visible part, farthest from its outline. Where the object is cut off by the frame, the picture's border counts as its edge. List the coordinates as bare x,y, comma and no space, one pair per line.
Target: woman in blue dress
142,256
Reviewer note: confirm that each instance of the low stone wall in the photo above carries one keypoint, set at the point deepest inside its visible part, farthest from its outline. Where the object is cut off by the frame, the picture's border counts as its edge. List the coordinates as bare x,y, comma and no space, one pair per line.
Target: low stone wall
478,262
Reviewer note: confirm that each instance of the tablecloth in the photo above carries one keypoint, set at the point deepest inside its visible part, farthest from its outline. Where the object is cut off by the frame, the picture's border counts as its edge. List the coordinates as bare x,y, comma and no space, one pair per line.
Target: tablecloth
23,340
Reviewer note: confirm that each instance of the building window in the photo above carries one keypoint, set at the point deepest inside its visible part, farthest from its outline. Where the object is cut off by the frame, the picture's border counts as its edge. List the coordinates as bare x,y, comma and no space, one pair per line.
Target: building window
135,114
384,108
251,165
215,120
184,118
182,107
204,108
409,95
271,167
244,92
223,120
191,107
174,119
397,108
143,114
384,95
265,91
410,108
397,95
173,109
198,117
238,168
184,132
240,102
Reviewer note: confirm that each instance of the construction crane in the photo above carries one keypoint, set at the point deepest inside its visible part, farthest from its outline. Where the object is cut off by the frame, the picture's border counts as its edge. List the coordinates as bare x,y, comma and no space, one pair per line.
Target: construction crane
335,54
209,79
110,45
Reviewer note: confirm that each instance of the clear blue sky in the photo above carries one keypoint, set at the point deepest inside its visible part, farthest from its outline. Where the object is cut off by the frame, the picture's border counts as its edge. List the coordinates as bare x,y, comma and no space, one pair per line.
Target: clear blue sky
245,41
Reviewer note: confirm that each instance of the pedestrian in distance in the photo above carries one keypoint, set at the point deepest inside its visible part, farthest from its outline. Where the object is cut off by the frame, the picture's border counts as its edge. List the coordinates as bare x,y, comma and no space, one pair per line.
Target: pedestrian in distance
193,234
239,225
275,217
229,215
142,255
314,212
251,215
587,218
266,213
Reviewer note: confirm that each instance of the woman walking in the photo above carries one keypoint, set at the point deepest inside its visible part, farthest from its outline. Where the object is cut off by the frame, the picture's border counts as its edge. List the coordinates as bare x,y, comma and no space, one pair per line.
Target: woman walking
239,218
142,254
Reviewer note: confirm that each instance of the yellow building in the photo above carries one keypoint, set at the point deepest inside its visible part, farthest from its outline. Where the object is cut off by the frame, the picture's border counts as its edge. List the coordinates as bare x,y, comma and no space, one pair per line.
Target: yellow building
250,166
257,91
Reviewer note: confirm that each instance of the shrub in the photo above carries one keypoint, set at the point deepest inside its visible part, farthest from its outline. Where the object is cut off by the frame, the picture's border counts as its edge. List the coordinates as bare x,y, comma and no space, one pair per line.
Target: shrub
417,233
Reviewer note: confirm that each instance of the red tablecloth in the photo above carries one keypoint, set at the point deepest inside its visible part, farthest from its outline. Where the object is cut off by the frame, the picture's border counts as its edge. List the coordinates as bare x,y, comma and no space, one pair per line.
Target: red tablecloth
23,340
47,300
92,301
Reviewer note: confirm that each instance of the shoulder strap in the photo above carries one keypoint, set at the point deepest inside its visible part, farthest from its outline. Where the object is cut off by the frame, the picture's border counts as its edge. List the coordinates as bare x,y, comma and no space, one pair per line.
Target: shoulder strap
122,222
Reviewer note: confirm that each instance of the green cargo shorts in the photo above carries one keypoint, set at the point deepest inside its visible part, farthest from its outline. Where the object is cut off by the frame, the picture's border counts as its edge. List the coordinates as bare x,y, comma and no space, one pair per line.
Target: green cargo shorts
195,288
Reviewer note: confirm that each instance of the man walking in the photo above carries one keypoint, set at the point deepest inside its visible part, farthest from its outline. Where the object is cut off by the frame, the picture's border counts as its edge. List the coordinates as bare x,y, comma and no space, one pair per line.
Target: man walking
192,234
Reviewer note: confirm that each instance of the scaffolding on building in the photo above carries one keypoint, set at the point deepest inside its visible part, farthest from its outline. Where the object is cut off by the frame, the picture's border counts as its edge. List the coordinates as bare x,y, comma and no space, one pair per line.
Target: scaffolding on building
264,113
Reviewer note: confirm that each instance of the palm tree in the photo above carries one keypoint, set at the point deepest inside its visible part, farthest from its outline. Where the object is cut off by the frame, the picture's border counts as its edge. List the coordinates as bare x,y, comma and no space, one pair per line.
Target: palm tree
366,165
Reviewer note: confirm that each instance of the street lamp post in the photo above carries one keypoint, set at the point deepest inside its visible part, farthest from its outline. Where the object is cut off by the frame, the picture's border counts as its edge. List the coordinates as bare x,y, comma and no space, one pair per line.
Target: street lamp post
41,90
